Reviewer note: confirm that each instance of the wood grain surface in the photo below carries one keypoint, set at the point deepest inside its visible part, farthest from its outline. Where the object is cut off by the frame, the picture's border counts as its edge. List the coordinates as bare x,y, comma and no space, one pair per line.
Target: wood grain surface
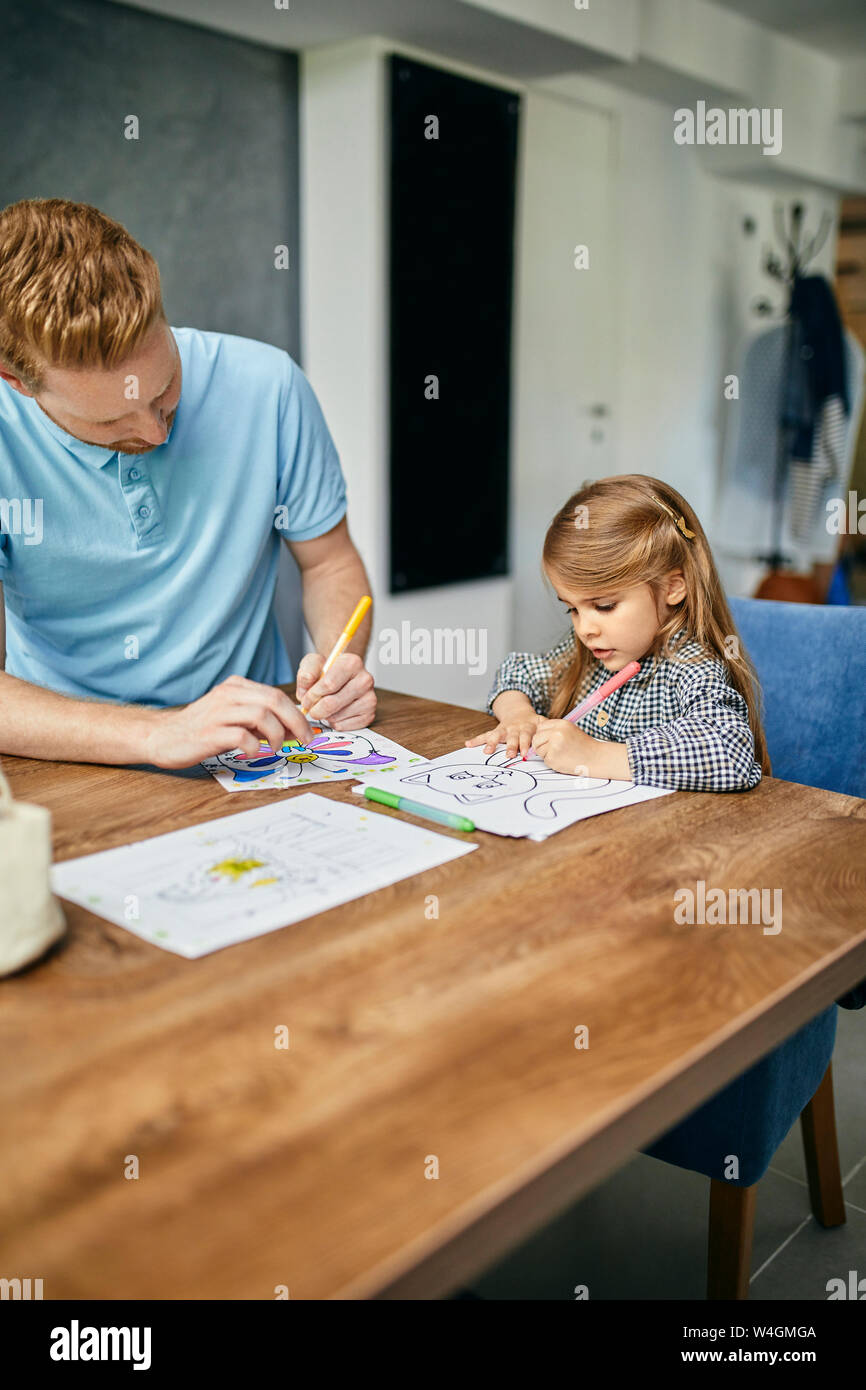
410,1038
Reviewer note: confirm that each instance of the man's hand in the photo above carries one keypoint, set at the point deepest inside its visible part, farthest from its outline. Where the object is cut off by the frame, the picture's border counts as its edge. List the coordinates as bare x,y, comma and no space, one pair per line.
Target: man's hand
238,713
344,696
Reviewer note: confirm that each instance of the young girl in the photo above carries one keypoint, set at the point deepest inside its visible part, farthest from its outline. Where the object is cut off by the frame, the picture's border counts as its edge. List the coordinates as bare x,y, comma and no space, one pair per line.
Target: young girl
629,560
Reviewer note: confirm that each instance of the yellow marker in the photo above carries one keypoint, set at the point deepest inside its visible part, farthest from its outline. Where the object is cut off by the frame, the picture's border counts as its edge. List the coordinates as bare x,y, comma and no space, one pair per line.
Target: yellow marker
345,637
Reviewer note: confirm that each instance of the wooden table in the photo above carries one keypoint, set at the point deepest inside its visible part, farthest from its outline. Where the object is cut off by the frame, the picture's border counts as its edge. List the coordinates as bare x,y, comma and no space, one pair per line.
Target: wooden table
411,1038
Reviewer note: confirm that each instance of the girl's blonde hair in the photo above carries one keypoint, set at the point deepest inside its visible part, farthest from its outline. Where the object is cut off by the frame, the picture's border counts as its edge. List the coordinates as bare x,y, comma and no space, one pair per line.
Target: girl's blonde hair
76,290
631,529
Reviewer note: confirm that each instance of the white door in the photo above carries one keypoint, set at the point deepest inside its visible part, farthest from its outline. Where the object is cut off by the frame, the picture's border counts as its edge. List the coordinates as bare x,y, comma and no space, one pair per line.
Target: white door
564,344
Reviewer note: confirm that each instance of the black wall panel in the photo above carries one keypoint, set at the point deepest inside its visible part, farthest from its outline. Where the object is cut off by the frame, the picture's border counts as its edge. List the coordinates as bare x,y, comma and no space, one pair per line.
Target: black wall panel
451,263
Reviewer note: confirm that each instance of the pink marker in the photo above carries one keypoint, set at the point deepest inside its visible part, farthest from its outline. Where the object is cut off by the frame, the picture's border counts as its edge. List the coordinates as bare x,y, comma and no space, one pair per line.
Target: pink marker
617,679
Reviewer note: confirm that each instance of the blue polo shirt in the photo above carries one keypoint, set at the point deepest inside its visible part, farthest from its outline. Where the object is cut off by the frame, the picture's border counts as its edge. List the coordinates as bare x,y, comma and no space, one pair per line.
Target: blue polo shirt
150,578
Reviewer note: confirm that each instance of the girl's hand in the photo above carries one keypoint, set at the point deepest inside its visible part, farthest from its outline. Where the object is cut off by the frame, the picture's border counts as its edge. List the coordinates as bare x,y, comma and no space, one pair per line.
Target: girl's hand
516,734
563,746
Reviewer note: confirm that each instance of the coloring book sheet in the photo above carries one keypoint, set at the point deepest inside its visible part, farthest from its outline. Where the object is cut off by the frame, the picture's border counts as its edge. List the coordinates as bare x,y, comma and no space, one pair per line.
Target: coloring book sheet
508,796
329,757
195,890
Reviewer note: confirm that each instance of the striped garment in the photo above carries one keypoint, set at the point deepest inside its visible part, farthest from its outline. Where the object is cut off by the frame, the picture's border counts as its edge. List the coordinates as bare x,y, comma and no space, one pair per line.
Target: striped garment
810,477
683,723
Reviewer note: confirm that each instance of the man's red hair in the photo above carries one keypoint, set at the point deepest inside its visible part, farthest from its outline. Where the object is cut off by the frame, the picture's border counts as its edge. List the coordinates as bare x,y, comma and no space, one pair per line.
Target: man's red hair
76,290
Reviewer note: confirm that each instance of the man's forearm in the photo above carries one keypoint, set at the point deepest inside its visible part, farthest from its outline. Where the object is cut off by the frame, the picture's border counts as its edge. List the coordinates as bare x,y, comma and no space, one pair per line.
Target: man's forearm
40,723
330,597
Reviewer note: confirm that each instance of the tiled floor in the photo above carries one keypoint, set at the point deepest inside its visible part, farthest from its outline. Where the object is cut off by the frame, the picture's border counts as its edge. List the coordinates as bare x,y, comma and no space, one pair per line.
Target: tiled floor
643,1233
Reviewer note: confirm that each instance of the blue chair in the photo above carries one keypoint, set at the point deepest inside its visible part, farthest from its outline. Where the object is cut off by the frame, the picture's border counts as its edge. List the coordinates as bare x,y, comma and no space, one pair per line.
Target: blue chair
839,591
811,662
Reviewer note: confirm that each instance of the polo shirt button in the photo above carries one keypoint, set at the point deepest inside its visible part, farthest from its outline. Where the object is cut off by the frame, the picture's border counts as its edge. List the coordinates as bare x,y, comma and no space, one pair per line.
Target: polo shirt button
144,511
134,474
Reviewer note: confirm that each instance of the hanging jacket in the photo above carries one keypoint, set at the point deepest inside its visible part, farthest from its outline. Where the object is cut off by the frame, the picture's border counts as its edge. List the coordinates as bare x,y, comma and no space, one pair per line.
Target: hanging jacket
742,527
817,400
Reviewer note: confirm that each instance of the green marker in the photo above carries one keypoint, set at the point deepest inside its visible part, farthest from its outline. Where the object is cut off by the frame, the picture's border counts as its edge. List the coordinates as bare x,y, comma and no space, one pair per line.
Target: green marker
401,803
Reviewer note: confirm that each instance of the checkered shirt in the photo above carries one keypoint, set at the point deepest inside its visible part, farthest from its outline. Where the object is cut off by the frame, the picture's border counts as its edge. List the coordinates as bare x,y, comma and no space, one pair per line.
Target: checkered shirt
683,723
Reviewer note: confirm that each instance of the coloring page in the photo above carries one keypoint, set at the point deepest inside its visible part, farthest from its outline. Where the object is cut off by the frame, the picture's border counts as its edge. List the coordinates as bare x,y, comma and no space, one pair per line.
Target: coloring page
328,757
211,885
511,796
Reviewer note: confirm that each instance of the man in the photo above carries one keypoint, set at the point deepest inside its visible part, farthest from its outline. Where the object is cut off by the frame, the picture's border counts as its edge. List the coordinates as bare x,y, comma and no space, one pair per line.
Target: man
146,476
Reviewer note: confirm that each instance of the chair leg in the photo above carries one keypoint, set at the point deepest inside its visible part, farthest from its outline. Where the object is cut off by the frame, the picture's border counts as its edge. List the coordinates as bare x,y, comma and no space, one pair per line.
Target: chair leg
729,1255
818,1123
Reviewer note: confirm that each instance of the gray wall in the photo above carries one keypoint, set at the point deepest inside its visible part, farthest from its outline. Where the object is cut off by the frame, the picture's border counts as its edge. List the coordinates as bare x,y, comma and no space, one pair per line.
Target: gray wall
210,187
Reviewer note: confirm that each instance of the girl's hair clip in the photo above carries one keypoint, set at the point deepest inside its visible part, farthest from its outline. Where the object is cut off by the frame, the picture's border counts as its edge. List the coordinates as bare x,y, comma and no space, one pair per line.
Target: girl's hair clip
680,523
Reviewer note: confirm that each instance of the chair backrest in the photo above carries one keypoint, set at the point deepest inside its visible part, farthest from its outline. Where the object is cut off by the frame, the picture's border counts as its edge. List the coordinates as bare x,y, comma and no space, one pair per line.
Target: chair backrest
811,662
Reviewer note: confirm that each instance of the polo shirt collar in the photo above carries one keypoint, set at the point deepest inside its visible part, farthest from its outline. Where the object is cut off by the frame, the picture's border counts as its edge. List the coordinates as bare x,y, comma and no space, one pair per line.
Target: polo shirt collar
97,455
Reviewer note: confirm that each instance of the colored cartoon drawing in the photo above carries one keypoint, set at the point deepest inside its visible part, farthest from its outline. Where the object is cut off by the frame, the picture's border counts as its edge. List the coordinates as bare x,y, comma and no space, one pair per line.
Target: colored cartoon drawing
331,751
542,789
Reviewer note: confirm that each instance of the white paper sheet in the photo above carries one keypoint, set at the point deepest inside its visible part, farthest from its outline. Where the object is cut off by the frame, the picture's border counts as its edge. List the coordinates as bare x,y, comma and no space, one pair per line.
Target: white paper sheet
195,890
508,796
329,757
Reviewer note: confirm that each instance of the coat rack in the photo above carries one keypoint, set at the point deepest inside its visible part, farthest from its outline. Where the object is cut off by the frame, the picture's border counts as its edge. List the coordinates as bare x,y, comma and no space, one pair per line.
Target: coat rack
795,255
798,255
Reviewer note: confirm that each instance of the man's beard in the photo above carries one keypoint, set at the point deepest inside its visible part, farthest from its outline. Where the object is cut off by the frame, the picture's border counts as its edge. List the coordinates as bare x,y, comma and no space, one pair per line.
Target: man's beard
124,446
138,446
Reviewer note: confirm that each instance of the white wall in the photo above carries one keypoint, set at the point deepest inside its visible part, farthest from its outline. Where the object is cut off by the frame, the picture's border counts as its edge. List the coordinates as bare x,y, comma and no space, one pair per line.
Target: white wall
651,331
612,30
566,358
688,278
344,343
343,248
